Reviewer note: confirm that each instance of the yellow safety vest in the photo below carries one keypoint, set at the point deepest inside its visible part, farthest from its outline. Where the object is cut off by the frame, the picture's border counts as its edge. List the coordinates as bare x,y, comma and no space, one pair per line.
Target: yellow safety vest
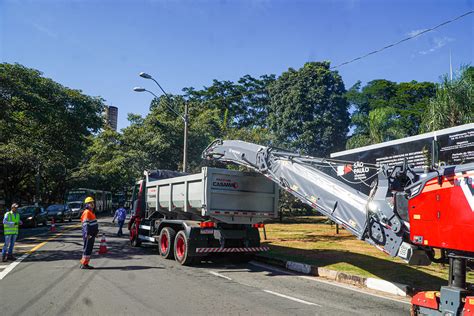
7,230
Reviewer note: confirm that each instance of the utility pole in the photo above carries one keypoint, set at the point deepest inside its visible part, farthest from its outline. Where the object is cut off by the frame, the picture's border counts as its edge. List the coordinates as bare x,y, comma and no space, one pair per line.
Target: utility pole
37,180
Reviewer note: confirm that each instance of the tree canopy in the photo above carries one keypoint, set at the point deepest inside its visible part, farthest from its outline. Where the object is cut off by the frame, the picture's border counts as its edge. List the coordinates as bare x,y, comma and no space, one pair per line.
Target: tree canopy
55,136
308,110
43,130
385,110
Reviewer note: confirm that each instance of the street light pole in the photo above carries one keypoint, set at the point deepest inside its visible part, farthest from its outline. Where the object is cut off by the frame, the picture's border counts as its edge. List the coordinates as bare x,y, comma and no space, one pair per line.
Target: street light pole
185,148
184,117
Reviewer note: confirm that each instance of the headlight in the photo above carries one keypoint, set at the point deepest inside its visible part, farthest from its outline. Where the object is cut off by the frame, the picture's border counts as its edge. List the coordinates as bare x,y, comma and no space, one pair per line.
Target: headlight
30,218
60,213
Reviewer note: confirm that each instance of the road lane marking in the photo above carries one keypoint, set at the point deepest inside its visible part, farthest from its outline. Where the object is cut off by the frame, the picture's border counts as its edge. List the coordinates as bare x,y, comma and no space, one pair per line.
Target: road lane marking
12,265
317,279
291,298
220,275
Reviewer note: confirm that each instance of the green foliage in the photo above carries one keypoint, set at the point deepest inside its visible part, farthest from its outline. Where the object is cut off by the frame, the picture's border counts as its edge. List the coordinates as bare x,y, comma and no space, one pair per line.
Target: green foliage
43,131
385,110
453,104
308,110
245,102
55,134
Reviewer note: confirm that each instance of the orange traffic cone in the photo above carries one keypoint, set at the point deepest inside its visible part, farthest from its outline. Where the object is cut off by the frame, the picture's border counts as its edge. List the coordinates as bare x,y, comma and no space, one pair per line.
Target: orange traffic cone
103,246
53,226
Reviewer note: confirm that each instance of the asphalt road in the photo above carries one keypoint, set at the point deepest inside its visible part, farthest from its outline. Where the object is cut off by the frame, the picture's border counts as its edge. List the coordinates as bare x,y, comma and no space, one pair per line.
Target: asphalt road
134,281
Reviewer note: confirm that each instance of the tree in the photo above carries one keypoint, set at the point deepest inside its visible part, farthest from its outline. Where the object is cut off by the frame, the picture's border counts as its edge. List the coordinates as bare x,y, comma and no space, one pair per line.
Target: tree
244,103
308,110
43,131
453,104
385,110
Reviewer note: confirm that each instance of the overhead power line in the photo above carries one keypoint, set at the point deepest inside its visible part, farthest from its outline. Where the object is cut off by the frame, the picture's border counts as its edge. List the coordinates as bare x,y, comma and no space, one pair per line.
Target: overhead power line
403,40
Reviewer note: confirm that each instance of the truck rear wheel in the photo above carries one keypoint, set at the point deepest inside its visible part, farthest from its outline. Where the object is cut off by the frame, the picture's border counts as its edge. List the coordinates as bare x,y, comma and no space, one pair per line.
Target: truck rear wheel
181,249
166,242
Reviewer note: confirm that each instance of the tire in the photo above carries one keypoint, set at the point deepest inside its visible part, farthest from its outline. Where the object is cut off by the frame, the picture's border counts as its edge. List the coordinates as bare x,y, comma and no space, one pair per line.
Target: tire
166,242
134,240
181,249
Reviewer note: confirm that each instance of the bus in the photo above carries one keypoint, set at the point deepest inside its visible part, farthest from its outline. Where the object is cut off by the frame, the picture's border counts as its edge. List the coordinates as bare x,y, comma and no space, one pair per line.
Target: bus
103,199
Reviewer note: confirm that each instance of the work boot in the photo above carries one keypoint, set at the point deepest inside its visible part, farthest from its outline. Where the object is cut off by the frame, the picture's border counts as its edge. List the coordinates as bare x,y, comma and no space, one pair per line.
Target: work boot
11,257
4,258
86,267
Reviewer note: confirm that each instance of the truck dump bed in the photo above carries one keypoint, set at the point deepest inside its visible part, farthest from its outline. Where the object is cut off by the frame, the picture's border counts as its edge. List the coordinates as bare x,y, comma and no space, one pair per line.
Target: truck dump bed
228,196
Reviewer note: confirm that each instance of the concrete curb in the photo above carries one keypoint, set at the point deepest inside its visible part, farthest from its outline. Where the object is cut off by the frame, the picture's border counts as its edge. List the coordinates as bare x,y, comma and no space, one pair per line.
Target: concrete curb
371,283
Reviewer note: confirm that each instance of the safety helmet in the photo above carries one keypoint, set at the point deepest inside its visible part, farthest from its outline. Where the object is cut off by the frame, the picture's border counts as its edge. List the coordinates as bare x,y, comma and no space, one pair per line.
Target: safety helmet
88,200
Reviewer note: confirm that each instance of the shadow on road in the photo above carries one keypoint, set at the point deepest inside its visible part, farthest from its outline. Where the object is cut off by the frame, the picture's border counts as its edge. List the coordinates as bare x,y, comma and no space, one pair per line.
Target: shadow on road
69,247
127,268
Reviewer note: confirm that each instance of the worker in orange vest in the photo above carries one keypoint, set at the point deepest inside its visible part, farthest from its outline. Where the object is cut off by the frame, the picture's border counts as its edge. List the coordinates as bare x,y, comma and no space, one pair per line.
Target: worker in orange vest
90,228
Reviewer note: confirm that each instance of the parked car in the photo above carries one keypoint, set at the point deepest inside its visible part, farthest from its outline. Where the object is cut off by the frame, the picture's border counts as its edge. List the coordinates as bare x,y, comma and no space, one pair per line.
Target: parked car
32,215
59,212
77,208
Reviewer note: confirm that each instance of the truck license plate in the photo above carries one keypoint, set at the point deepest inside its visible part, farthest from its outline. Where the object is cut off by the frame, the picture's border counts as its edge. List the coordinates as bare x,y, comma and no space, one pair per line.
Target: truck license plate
207,231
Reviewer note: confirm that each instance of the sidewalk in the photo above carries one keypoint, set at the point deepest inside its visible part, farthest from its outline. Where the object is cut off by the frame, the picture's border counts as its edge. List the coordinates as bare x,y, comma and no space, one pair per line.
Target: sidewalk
308,245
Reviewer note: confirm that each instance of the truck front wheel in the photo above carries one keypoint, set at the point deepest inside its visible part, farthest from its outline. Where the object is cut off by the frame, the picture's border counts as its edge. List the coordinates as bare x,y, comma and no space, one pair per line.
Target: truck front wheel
166,242
134,240
181,249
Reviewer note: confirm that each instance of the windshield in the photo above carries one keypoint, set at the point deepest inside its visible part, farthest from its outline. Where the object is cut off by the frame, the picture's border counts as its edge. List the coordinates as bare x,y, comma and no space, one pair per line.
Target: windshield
76,196
55,208
75,205
26,210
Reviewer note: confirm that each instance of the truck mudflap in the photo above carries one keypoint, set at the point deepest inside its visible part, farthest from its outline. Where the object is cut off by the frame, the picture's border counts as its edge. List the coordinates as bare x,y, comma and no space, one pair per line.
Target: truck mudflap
231,250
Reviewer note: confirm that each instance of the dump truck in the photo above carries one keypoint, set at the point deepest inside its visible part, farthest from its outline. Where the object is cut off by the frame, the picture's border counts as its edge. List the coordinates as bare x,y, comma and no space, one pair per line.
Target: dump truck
214,212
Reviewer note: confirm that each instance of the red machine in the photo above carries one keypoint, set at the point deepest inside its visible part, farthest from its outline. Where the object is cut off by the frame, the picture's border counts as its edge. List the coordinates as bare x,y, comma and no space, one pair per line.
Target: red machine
442,214
441,211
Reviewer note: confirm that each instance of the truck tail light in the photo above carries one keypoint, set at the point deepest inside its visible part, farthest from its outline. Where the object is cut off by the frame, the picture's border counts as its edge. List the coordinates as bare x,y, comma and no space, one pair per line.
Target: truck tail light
207,224
259,225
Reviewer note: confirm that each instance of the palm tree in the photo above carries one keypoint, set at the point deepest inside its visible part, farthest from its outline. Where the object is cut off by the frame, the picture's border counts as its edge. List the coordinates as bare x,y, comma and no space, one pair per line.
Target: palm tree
453,104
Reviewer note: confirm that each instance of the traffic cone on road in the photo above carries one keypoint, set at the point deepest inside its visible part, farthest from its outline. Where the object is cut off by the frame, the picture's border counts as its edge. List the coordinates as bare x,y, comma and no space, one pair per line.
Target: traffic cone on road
53,226
103,246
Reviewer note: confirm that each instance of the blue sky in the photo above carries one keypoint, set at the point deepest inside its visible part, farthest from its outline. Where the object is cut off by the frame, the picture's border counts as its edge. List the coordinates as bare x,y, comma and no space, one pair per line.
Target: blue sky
101,46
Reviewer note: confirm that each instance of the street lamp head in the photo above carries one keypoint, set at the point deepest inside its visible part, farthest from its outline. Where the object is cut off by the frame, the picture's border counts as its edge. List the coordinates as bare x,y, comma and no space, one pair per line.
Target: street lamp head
145,75
139,89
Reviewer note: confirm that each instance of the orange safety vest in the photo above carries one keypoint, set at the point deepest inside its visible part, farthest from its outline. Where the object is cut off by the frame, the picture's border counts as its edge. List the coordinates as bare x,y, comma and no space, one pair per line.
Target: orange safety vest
88,216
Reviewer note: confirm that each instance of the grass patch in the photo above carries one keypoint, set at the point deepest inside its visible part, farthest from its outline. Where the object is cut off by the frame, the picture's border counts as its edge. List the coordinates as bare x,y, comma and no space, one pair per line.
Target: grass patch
311,240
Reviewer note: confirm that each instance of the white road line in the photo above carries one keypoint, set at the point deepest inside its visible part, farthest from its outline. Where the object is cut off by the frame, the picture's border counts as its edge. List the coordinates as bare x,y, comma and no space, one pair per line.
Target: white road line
220,275
12,265
333,283
291,298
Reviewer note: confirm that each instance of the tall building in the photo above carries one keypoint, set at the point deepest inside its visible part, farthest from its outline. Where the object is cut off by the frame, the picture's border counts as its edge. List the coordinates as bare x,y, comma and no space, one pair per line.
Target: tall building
111,116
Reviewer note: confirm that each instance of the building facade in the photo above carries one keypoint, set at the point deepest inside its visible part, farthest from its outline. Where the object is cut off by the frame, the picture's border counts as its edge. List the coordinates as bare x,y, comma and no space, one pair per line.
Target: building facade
111,116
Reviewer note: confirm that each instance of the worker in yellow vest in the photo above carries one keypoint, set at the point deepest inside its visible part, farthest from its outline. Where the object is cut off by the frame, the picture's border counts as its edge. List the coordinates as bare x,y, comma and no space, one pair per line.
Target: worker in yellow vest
11,223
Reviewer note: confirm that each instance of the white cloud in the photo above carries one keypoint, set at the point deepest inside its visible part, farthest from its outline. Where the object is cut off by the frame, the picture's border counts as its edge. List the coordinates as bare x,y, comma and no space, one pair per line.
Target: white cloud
438,42
44,30
415,32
